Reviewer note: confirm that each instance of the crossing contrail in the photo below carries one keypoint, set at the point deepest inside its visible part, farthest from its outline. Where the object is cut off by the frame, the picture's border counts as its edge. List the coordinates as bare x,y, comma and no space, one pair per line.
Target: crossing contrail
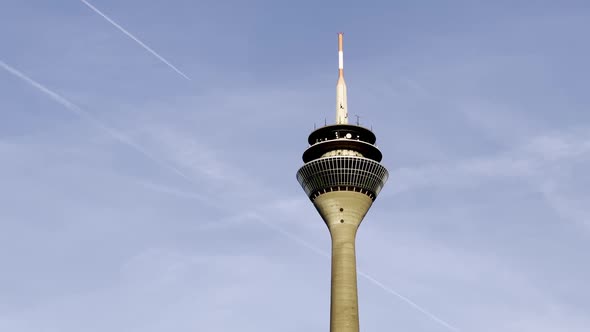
142,44
114,133
124,139
408,301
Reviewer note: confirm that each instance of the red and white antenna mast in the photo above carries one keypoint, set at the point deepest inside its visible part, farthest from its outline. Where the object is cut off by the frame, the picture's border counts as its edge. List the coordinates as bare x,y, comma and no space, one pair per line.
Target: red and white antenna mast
341,102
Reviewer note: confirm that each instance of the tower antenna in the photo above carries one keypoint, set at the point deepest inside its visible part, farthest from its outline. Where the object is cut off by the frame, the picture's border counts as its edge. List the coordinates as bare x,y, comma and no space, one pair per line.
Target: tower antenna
341,100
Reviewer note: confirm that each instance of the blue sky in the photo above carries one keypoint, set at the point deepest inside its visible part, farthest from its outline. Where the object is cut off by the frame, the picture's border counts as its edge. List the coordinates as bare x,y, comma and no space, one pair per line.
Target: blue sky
143,201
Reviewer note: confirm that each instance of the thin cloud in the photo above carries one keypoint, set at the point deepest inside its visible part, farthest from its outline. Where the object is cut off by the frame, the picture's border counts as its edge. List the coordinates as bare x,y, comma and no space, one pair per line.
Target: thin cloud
374,281
303,243
119,136
114,133
142,44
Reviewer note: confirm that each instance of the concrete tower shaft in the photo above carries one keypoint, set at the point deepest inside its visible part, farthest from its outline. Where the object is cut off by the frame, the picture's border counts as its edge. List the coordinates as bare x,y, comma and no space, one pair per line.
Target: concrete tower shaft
343,212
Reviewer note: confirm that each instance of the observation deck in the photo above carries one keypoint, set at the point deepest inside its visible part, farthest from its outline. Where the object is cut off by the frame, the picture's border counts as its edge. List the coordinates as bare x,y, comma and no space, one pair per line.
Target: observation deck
342,157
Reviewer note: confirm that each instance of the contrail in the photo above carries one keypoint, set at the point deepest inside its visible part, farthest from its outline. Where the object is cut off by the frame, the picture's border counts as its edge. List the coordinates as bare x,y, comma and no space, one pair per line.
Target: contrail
408,301
114,133
124,139
154,53
374,281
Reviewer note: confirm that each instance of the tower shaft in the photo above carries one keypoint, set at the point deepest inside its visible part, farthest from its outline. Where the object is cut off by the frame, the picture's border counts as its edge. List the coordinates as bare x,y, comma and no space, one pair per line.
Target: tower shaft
343,212
344,315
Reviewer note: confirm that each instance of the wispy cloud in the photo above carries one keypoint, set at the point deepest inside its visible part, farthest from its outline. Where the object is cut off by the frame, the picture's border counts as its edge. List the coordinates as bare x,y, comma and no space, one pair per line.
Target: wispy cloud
124,139
112,132
130,35
362,274
540,161
257,217
173,191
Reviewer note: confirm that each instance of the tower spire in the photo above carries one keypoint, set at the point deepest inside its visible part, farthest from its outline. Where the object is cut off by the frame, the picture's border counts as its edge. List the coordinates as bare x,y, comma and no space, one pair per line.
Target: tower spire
341,102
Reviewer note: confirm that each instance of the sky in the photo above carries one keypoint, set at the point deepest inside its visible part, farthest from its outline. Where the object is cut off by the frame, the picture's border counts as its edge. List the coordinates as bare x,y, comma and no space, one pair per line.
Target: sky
148,158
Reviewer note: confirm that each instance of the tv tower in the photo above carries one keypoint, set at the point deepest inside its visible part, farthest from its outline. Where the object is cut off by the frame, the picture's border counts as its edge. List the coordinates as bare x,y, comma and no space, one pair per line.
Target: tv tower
342,176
